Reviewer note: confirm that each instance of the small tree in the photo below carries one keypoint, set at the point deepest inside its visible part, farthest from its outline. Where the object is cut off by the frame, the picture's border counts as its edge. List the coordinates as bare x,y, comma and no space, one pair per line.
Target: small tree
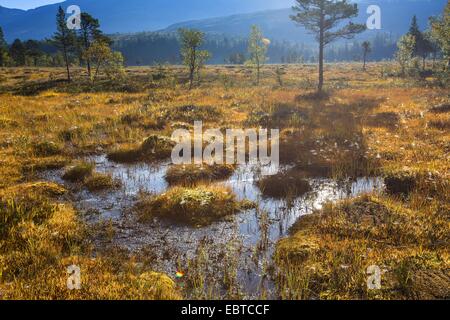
440,30
405,52
323,19
366,50
99,53
257,48
64,39
114,66
434,45
203,57
193,57
422,47
89,33
102,57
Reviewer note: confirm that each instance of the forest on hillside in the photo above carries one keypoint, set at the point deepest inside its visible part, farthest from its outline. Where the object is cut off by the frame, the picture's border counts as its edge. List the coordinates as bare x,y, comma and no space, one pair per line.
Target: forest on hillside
153,48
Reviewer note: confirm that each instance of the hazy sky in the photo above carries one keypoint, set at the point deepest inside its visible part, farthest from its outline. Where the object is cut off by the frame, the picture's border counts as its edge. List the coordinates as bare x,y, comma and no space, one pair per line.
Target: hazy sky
26,4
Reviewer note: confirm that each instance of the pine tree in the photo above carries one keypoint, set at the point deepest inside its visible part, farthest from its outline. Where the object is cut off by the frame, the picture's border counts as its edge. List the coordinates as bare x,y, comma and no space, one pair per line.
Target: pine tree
321,18
257,48
3,49
440,30
17,53
88,34
405,51
64,38
415,32
422,46
193,57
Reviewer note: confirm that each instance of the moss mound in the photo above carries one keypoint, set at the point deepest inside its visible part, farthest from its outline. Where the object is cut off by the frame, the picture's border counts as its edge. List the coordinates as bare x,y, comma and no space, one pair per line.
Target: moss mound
126,154
189,175
78,172
158,147
289,184
152,148
47,148
200,205
406,180
101,181
158,285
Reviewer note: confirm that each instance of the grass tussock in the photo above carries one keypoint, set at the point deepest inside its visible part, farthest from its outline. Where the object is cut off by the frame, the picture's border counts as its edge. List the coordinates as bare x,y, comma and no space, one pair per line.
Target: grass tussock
288,184
199,205
125,154
43,164
328,252
101,181
47,148
152,148
41,237
408,181
190,175
79,172
83,172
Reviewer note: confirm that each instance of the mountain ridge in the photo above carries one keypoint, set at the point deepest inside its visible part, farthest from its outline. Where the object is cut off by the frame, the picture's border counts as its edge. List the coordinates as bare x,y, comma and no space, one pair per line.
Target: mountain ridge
130,16
231,17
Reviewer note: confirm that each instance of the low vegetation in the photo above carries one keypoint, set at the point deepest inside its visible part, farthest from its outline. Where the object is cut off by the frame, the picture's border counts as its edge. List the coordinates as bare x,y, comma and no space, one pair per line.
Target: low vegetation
328,252
78,172
367,124
189,175
152,148
100,182
200,205
289,184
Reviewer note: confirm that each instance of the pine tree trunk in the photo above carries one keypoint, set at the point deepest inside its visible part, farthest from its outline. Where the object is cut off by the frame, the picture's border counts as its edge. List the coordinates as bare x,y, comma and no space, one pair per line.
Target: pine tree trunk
258,74
192,68
66,60
191,78
89,68
321,45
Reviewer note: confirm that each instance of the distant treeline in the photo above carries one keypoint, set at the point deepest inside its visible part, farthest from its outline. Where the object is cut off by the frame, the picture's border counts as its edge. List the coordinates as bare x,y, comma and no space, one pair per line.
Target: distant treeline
152,48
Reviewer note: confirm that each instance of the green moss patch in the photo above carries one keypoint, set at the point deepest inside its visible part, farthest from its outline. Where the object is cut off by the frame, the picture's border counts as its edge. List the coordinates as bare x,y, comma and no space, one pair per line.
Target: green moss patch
200,205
